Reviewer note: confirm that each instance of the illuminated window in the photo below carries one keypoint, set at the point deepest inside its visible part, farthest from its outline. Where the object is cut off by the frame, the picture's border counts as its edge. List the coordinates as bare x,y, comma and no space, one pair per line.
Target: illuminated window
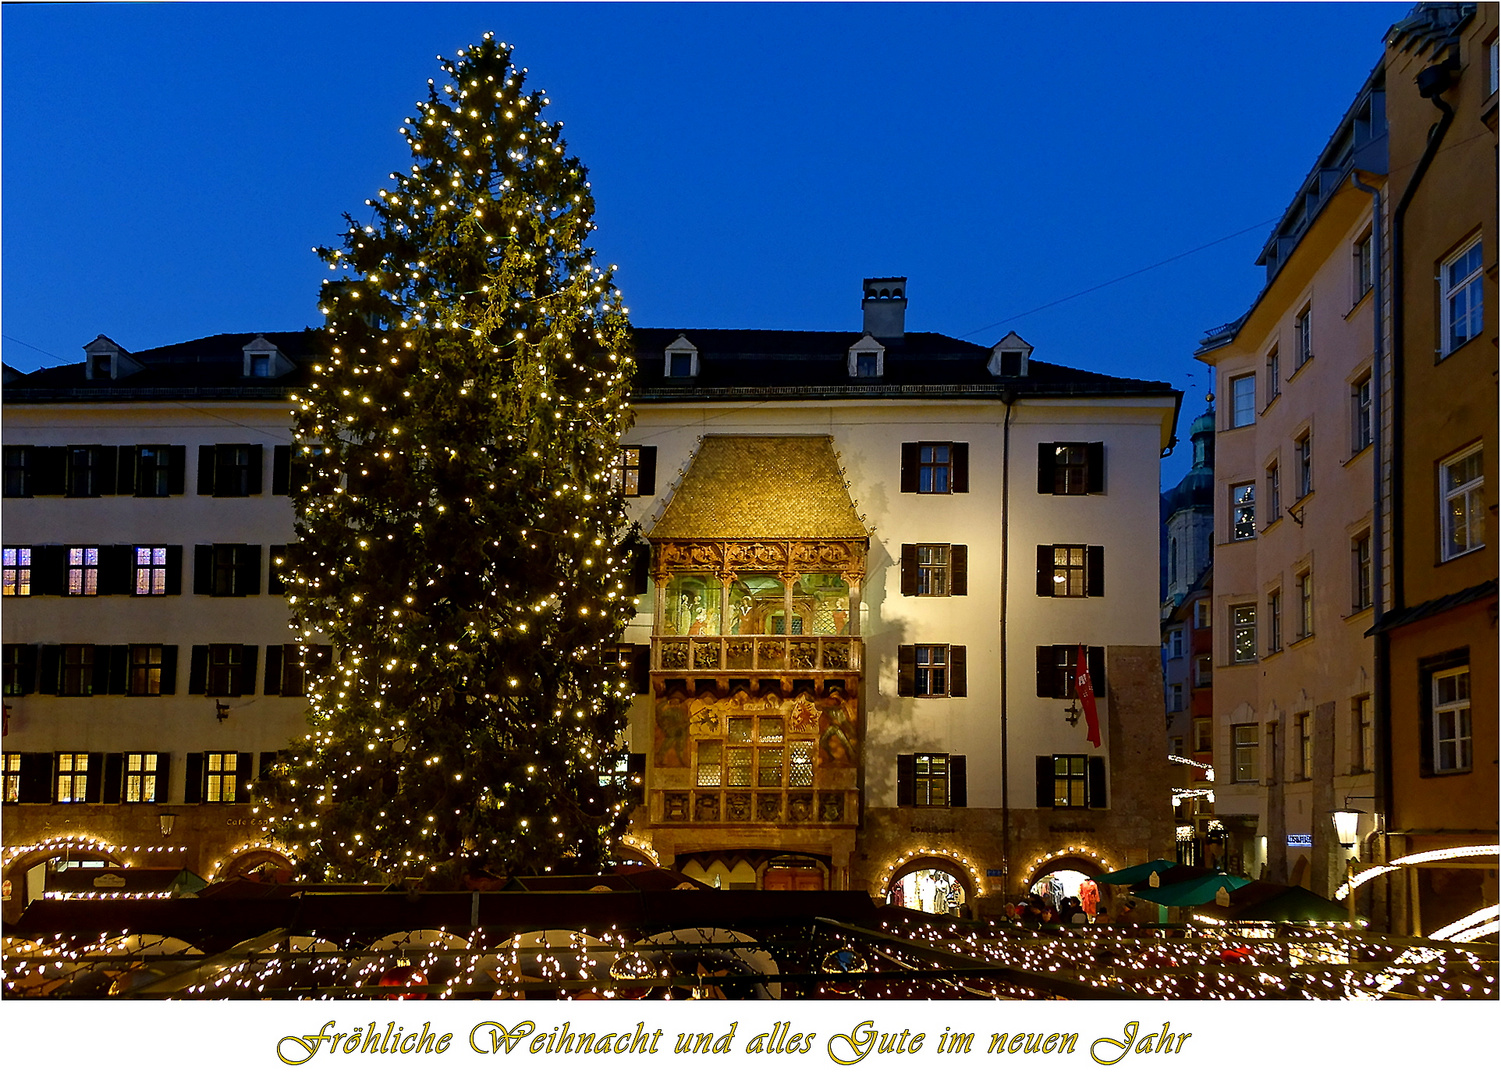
17,571
220,777
1070,780
628,471
145,670
930,779
1070,573
83,571
72,778
1243,633
1243,512
1461,481
140,778
12,777
151,571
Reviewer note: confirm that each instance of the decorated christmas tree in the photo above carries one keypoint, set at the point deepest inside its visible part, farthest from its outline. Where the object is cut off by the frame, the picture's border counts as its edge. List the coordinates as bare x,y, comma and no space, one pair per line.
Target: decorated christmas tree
460,536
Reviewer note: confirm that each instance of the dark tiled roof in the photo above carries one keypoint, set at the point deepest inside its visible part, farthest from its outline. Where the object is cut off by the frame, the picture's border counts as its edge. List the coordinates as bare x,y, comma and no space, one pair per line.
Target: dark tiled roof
733,363
1429,608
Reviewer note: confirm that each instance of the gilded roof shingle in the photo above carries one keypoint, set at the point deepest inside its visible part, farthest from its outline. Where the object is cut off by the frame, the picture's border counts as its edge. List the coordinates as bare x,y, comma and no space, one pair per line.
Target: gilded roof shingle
761,486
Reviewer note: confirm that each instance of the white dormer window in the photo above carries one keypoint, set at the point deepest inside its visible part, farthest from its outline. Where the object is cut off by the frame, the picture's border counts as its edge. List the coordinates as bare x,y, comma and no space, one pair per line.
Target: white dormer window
106,361
264,360
867,359
681,359
1009,357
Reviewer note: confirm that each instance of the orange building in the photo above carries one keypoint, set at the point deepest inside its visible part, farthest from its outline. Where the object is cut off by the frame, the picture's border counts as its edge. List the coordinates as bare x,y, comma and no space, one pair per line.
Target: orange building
1436,646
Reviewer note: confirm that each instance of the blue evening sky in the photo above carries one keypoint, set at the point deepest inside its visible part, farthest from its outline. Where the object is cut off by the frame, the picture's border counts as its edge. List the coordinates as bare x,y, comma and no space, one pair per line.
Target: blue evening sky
168,167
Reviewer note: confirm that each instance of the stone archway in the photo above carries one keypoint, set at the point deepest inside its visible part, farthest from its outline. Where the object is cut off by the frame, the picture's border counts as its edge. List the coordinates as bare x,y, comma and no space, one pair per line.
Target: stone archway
260,863
1072,874
18,870
912,866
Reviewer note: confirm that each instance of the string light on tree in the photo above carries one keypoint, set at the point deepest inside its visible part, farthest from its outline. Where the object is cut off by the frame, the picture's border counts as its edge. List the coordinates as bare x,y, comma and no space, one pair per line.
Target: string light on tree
458,525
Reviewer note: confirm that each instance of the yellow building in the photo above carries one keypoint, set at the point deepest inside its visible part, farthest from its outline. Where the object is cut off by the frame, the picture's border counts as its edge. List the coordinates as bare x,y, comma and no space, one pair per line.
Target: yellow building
1437,646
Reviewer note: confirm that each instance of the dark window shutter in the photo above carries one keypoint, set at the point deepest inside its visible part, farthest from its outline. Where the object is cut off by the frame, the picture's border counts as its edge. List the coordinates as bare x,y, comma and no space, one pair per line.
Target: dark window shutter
909,569
1046,798
958,683
276,585
125,472
959,570
273,670
641,669
243,762
203,569
268,762
169,669
163,774
206,470
198,670
250,565
1047,672
1047,458
254,485
116,564
1044,569
119,668
174,570
177,469
114,778
51,669
1096,781
106,470
36,778
1095,658
47,470
909,466
281,469
1096,571
640,568
49,574
958,781
192,776
906,779
647,485
251,654
906,670
100,682
1095,459
960,458
93,781
26,668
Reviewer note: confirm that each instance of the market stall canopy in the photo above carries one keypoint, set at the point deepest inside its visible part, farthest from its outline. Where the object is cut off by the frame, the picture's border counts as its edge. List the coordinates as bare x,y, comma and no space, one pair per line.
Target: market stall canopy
1263,901
1194,891
1135,875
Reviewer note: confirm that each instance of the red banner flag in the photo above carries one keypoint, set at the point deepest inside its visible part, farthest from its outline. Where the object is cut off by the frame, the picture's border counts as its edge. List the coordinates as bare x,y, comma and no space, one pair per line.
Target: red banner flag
1084,691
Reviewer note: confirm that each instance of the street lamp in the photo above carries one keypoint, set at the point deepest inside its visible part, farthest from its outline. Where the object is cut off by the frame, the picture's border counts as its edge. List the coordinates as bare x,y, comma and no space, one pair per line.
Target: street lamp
1346,824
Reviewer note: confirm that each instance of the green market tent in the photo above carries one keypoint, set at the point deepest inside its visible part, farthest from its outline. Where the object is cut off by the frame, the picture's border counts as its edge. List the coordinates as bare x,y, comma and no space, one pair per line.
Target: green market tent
1194,891
1135,875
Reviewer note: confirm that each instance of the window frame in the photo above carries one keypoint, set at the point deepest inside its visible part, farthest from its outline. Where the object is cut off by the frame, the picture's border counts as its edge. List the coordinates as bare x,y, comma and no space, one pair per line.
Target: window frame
1274,621
1245,754
67,772
142,767
141,663
923,782
934,476
1470,288
227,769
1361,597
1273,374
1242,408
1241,620
1274,492
1203,670
1203,734
1074,792
1362,414
1363,740
227,672
931,671
155,584
1462,737
1243,511
1472,492
1303,331
84,562
1175,638
77,664
1364,253
17,577
1304,580
1303,457
1303,728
